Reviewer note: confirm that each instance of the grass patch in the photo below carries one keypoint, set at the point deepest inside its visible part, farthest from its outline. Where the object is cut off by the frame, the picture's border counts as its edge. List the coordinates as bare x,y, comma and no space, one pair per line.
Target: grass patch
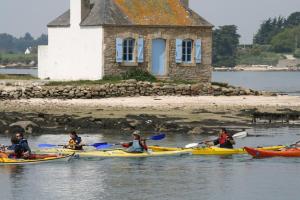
258,55
260,58
220,84
8,58
179,81
81,82
17,77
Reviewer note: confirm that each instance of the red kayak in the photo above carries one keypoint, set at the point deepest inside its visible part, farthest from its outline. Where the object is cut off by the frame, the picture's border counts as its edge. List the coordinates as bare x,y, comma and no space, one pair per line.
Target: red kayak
257,153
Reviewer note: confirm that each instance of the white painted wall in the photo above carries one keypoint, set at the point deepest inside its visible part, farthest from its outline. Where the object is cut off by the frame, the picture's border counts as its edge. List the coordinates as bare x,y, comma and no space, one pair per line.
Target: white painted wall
42,61
73,53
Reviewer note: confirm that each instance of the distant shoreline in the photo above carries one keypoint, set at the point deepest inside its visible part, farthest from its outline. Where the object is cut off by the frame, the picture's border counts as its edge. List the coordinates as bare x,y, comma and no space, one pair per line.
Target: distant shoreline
255,69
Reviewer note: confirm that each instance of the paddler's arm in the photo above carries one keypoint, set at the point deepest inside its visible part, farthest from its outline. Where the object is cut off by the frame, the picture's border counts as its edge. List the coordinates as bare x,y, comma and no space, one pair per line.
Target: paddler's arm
144,145
231,140
127,145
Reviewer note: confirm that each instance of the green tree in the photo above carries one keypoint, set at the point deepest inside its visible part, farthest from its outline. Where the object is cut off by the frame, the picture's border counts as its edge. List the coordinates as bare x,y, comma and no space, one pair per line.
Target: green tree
225,44
6,42
286,41
268,29
293,20
42,40
24,42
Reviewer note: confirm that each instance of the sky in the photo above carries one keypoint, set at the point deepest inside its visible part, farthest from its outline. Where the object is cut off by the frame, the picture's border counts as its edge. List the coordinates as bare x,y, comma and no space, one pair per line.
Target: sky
20,16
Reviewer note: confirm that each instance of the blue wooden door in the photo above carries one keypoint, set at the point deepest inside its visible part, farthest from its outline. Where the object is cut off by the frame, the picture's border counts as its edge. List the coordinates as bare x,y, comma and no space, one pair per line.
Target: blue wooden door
158,57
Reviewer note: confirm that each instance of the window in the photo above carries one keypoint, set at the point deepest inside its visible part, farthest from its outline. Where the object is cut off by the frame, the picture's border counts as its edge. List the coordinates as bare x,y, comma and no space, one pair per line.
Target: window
128,49
187,47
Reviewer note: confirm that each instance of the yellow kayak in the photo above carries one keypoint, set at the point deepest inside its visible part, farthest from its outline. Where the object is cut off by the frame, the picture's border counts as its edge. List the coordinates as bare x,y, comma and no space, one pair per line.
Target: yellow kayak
212,150
36,159
117,153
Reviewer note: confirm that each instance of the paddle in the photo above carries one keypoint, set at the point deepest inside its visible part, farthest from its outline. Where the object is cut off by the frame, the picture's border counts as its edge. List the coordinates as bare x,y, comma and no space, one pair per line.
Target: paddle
155,138
235,136
292,145
59,145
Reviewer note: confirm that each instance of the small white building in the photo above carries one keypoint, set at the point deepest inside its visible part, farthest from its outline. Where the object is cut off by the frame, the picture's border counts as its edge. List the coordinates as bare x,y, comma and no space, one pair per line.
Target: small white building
28,51
108,37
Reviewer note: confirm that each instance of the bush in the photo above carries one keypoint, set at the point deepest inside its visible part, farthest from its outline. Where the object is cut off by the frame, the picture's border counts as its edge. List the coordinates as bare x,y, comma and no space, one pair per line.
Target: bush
297,53
112,78
139,75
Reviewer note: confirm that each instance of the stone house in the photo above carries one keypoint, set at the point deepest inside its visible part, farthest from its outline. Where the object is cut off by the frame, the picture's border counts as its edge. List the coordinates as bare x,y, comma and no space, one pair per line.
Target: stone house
96,38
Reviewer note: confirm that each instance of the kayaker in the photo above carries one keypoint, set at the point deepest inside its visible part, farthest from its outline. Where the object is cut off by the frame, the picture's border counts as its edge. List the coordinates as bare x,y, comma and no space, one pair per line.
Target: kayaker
138,145
23,144
75,143
225,140
14,150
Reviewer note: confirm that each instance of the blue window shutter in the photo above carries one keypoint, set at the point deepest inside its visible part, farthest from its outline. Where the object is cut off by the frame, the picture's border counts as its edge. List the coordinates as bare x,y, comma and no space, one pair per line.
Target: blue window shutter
178,50
198,56
119,50
140,50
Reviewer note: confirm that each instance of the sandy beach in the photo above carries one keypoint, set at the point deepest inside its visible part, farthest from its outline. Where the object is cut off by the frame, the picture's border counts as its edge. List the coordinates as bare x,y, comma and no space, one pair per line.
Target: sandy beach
161,102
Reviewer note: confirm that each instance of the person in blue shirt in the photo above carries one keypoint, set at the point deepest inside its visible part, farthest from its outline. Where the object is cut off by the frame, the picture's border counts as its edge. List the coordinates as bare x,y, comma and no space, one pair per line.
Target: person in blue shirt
24,144
14,150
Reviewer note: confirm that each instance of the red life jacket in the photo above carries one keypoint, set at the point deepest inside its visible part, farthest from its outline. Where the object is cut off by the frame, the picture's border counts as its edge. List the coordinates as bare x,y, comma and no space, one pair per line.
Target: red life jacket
223,138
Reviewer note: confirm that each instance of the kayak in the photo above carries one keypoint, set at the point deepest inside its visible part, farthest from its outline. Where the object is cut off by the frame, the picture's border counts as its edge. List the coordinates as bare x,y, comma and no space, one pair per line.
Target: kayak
258,153
117,153
213,150
33,159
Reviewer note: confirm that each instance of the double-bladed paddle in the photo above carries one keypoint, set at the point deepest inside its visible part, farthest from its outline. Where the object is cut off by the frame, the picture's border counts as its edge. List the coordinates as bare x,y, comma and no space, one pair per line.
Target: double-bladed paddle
292,145
235,136
60,145
155,138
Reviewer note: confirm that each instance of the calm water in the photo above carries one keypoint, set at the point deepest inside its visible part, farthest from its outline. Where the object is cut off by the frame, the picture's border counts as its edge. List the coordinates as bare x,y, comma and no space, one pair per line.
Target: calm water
286,82
185,177
32,72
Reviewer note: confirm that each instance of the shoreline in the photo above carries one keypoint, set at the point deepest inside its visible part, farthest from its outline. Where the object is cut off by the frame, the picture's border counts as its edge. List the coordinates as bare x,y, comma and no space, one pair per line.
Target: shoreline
184,115
167,102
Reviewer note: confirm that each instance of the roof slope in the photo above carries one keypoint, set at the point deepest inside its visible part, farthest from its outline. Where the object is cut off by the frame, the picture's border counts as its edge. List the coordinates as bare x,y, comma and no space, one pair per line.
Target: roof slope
137,12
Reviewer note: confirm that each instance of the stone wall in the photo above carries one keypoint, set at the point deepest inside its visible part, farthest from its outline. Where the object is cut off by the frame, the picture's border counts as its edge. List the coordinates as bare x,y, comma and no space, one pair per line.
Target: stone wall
124,89
200,72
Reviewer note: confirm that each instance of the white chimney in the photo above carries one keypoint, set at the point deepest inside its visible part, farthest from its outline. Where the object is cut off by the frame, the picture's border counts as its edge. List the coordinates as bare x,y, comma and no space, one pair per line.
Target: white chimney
79,10
185,3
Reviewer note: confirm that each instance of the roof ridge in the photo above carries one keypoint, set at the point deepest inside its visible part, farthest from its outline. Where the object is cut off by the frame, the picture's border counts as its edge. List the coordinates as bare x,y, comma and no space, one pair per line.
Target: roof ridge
137,12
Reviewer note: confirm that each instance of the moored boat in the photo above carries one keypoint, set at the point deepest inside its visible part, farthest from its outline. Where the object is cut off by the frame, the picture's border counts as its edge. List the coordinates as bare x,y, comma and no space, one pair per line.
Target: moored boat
260,153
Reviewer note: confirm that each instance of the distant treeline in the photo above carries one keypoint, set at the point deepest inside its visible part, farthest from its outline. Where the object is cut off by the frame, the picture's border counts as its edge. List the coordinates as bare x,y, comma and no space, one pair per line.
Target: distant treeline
275,36
279,32
11,44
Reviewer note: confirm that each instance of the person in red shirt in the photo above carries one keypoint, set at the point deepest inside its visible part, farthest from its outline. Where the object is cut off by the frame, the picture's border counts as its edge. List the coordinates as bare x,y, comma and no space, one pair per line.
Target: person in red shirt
225,140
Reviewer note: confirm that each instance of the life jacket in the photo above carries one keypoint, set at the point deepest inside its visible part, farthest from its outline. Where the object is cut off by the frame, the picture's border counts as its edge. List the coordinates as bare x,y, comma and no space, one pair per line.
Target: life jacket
223,139
136,146
74,142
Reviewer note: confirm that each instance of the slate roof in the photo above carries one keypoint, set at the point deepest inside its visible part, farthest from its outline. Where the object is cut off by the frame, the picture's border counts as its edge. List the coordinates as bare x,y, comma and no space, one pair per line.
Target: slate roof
136,12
